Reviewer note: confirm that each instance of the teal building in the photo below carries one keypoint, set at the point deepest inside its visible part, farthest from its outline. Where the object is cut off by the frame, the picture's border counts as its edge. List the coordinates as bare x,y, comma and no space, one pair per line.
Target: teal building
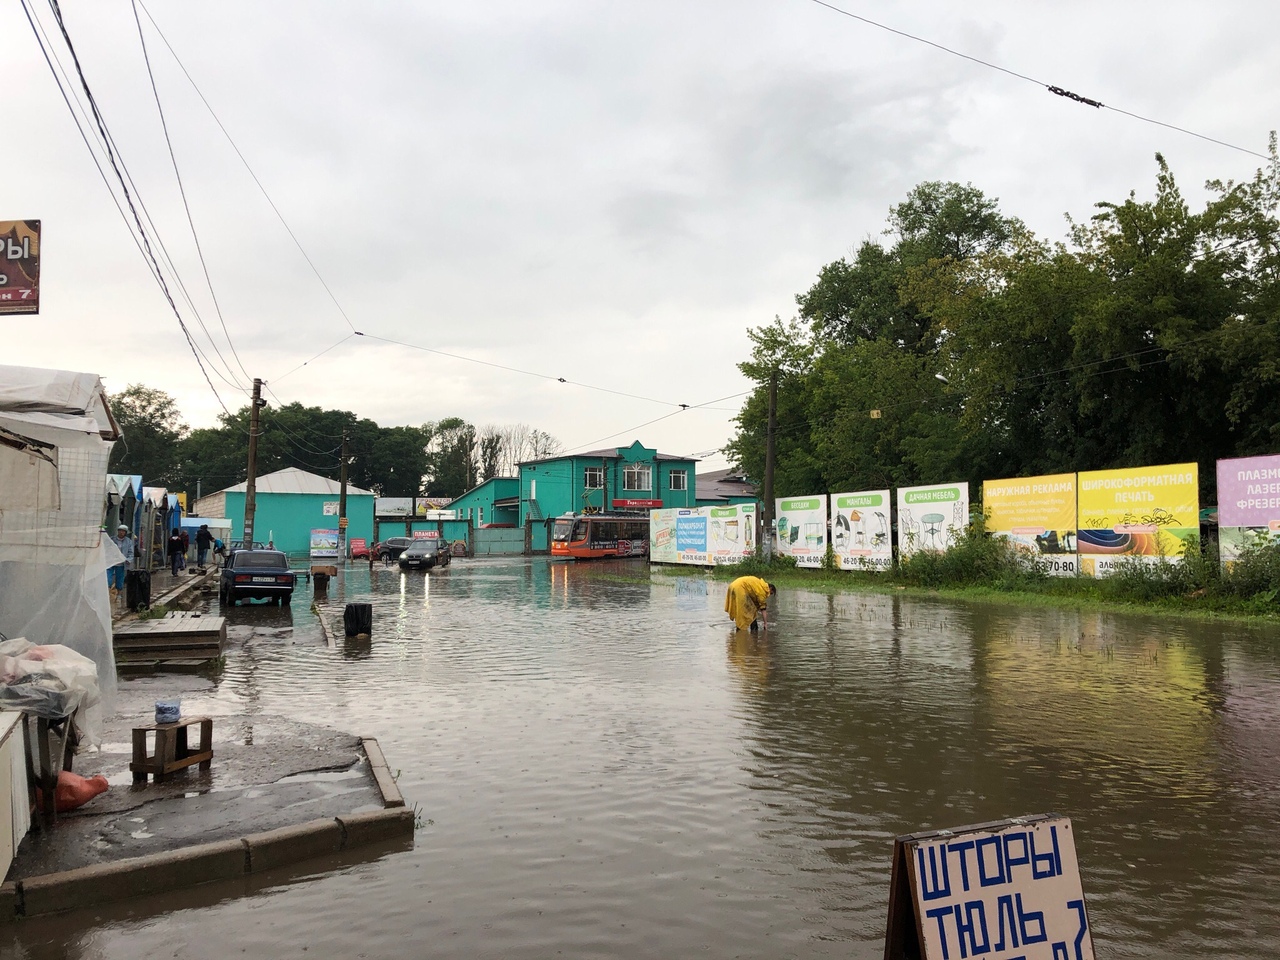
634,479
290,504
496,500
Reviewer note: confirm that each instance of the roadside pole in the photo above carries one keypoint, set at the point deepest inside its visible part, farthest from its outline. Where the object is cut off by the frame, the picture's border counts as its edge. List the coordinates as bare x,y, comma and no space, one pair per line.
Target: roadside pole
766,535
251,482
342,500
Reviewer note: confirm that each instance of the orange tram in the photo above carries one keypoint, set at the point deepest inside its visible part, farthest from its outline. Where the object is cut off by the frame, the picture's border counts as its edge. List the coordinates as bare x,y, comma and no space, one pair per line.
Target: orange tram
588,536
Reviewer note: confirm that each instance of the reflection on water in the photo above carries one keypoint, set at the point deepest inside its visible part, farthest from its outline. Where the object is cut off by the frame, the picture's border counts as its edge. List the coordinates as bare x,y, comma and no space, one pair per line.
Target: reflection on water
611,770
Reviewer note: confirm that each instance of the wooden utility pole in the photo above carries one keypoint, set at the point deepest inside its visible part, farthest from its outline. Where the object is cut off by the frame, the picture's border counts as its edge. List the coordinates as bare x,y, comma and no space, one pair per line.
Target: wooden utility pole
766,535
342,499
251,482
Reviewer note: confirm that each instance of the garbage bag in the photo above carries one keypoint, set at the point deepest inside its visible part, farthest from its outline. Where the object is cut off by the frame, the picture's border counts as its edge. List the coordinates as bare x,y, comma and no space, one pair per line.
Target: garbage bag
74,791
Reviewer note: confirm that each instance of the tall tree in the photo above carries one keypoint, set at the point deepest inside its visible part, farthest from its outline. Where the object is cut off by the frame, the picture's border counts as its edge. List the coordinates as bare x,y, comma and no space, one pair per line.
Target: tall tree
151,427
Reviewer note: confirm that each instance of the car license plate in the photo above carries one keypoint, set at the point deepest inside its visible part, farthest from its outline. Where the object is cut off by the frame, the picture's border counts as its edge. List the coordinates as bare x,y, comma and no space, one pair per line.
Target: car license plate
264,579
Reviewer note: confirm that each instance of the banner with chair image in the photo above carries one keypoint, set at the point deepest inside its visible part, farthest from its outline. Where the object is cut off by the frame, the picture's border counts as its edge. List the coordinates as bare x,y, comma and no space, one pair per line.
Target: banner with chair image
861,537
931,518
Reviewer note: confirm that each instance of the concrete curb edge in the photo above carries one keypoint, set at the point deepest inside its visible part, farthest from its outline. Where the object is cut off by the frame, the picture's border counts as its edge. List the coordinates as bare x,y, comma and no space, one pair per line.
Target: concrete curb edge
391,796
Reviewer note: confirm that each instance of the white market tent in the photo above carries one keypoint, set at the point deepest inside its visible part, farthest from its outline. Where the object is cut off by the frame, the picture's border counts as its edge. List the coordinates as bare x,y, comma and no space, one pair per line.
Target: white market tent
56,433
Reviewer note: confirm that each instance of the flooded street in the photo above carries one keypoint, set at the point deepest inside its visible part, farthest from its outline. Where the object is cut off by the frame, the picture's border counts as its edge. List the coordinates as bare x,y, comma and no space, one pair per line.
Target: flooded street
605,770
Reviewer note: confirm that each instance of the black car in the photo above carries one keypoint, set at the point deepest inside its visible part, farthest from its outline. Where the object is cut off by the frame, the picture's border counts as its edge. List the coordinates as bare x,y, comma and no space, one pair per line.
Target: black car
425,554
391,548
256,575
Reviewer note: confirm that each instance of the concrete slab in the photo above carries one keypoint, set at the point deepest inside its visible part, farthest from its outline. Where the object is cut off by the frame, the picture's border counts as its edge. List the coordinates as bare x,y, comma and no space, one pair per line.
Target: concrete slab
360,829
293,844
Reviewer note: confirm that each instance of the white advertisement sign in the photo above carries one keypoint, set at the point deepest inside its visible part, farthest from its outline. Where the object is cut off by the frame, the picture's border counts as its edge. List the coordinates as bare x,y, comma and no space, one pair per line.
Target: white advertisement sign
932,517
731,532
860,536
802,530
1003,891
679,536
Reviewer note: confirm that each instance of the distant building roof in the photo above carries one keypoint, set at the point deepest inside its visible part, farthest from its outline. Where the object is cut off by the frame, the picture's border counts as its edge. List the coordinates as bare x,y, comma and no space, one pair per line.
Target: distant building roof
293,480
723,484
608,453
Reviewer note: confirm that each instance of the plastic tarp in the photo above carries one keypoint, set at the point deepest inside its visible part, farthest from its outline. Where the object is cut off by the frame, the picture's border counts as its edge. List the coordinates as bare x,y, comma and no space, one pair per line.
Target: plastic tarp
53,556
51,681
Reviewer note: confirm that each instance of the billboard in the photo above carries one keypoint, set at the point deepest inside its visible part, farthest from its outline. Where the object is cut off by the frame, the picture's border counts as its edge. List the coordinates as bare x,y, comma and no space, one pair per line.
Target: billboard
802,530
679,536
1146,512
1039,515
731,532
19,266
324,544
932,517
1248,504
860,530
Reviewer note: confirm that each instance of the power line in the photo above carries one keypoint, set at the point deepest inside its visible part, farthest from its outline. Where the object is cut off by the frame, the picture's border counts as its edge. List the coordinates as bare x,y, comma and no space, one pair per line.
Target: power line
111,156
182,191
641,426
231,141
1051,88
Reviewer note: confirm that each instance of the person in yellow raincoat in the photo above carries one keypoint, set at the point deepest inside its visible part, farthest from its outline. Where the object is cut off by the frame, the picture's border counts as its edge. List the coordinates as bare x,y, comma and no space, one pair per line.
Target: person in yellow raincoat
747,597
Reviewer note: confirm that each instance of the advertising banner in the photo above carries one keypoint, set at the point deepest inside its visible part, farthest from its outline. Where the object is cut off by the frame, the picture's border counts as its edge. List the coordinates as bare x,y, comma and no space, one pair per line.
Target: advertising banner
931,518
679,536
1146,512
324,544
860,530
732,532
1248,504
1039,515
802,530
19,266
358,545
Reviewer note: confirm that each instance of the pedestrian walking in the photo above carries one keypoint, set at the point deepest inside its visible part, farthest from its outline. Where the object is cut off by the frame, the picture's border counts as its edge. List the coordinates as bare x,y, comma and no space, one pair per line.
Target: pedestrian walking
128,548
186,545
204,539
747,598
176,549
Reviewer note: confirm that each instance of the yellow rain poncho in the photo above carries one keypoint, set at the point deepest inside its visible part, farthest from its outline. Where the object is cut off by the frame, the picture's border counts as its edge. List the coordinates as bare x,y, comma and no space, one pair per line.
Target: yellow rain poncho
747,596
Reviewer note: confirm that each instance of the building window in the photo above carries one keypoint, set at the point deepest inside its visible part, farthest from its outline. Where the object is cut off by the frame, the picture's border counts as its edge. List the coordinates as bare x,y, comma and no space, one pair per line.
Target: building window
679,479
593,478
637,477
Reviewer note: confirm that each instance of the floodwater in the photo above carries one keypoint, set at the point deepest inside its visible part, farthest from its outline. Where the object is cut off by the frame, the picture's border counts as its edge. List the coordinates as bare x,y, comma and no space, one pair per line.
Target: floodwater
604,769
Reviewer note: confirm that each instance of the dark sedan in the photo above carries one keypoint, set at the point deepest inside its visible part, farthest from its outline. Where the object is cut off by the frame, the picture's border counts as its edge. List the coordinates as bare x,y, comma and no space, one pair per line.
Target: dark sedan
425,554
391,548
256,575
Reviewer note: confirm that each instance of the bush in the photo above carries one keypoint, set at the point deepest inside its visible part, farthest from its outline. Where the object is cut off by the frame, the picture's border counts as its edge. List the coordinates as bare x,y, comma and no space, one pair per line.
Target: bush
1256,574
975,558
758,566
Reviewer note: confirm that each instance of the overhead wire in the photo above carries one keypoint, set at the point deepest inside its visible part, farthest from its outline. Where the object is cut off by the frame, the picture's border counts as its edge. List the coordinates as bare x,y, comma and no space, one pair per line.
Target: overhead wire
99,122
146,57
1051,88
107,143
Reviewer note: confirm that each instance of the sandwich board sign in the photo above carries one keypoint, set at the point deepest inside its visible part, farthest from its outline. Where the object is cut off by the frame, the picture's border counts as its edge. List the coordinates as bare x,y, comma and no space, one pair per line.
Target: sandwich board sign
1007,890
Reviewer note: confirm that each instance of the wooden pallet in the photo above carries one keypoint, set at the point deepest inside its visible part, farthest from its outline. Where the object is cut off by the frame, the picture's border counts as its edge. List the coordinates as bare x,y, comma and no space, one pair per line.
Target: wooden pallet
178,636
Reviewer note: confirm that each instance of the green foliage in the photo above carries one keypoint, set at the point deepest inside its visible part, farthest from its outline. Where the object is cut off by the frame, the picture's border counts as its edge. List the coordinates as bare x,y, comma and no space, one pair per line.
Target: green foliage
975,558
1151,334
757,566
151,427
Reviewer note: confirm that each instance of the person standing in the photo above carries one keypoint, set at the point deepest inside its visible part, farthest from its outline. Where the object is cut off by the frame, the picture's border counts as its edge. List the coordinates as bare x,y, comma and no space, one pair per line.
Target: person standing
186,545
176,550
129,550
747,598
203,540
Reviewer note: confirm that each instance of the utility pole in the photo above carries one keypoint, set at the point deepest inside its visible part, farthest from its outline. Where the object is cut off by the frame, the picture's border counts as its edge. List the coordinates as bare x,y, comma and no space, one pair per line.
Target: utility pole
342,499
766,537
251,482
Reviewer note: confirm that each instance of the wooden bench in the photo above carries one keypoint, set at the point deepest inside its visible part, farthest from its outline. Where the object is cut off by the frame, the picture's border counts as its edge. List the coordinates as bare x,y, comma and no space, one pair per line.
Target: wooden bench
172,751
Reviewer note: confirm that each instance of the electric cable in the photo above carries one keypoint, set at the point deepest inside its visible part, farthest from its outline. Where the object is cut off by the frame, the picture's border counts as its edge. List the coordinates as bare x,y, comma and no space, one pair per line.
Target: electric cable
183,192
1051,88
101,125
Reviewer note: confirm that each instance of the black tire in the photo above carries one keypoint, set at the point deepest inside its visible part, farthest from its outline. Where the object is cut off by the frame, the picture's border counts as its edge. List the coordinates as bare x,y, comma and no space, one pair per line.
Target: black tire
231,598
286,600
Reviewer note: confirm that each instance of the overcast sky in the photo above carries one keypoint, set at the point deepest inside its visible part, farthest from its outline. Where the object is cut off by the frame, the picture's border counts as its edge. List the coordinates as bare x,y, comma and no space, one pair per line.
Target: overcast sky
607,192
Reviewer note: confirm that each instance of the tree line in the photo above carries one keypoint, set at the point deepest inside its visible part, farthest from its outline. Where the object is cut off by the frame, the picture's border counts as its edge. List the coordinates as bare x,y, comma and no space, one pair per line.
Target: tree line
443,458
963,346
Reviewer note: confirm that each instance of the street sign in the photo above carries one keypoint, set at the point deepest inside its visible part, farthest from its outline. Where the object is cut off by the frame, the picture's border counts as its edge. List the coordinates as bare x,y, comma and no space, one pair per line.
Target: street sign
1002,890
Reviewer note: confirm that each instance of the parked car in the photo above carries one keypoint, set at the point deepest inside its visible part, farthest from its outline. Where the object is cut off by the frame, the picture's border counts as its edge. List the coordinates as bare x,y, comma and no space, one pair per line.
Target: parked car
256,575
361,552
425,554
391,548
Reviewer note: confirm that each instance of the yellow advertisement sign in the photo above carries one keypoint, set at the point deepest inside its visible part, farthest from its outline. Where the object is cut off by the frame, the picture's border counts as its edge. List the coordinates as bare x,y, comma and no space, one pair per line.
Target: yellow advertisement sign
1147,512
1039,514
